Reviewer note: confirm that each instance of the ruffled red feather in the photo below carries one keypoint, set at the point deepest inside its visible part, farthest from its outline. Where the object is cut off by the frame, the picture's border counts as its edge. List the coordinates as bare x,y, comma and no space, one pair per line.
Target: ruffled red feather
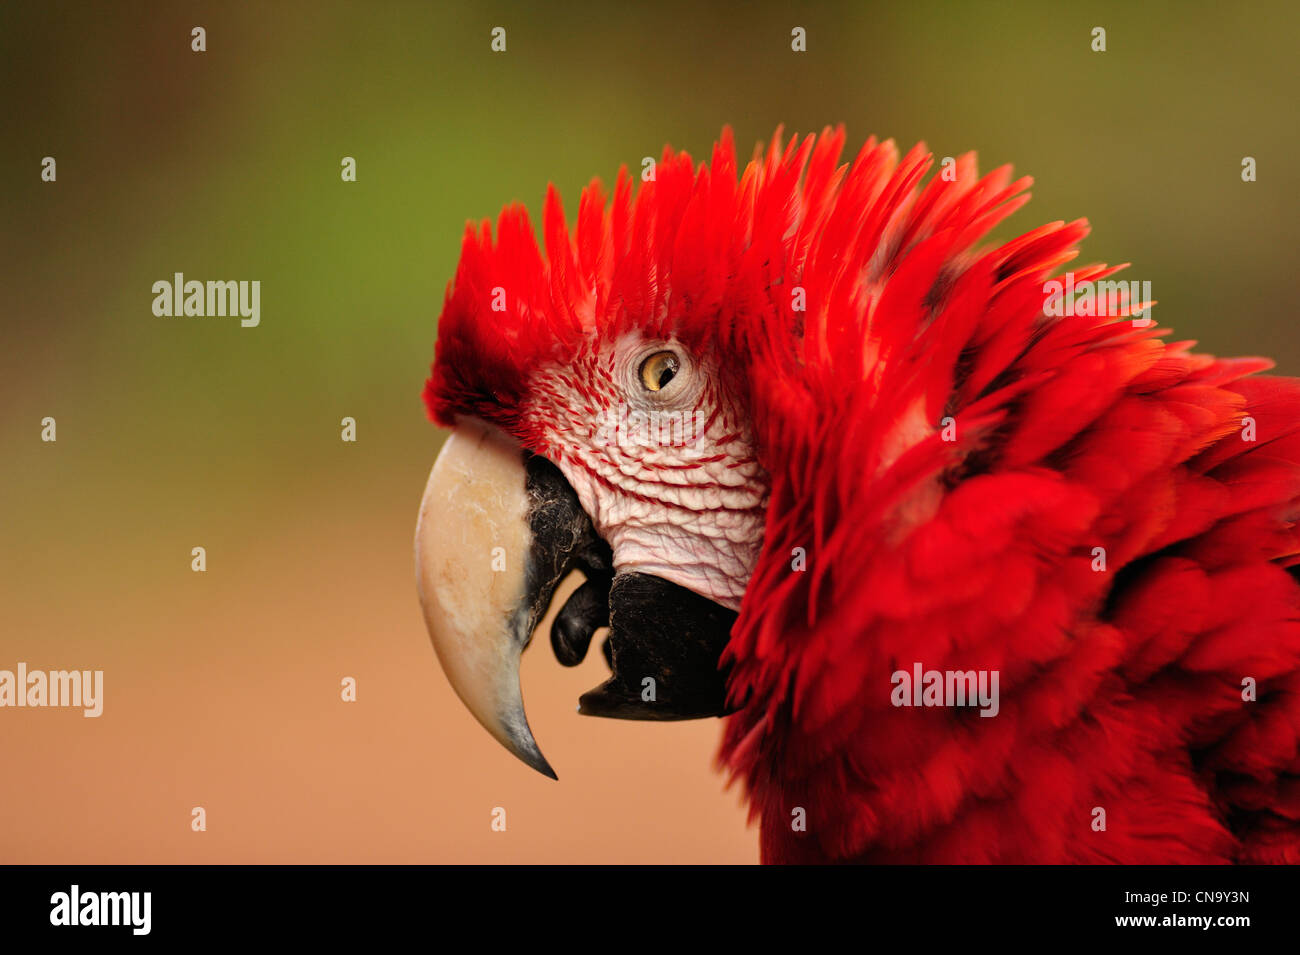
1120,689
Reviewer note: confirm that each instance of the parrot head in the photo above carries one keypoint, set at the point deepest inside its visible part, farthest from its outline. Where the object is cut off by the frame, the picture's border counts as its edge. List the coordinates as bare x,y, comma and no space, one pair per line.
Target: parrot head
601,422
620,402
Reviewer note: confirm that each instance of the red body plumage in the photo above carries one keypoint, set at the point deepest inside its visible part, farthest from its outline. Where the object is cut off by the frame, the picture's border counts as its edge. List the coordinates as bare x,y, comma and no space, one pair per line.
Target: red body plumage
970,546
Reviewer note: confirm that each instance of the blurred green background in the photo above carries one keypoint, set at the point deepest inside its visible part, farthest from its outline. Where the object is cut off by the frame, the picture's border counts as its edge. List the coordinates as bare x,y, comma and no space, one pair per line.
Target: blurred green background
174,432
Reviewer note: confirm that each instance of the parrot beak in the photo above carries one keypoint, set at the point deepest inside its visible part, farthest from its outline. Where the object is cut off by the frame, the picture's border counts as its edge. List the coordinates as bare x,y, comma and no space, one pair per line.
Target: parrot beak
499,529
472,542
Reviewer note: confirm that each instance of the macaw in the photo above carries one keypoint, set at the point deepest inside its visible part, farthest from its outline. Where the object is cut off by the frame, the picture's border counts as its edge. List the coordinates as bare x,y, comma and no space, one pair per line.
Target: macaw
817,447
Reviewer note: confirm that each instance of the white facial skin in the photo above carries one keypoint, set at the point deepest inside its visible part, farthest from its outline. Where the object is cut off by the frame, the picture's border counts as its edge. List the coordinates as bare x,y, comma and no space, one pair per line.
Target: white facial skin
661,460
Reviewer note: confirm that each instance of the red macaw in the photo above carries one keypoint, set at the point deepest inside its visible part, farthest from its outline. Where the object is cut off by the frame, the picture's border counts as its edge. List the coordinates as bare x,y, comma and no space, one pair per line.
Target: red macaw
816,451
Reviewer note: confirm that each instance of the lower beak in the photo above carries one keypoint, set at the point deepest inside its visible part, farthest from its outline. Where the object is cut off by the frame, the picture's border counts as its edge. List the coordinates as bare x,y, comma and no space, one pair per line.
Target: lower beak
499,529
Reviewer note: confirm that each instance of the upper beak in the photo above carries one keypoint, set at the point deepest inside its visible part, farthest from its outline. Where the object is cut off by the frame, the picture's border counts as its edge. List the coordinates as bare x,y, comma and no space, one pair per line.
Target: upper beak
499,529
472,544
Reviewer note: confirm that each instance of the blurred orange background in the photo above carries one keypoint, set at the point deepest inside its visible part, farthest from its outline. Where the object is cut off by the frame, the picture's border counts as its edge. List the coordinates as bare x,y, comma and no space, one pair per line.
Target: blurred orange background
222,689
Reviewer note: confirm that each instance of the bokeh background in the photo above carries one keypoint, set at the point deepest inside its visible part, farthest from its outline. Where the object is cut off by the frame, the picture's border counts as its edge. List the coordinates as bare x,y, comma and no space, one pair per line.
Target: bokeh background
222,688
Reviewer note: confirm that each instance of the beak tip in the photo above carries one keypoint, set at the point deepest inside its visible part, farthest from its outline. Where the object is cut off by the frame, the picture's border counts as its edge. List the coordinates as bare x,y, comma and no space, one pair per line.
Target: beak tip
517,736
537,761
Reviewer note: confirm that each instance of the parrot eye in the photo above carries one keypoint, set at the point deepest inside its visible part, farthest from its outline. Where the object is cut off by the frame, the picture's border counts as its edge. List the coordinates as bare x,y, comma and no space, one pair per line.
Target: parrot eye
659,369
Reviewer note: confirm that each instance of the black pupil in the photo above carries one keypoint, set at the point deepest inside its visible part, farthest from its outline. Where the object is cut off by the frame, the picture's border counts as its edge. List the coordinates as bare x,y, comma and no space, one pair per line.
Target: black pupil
667,370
